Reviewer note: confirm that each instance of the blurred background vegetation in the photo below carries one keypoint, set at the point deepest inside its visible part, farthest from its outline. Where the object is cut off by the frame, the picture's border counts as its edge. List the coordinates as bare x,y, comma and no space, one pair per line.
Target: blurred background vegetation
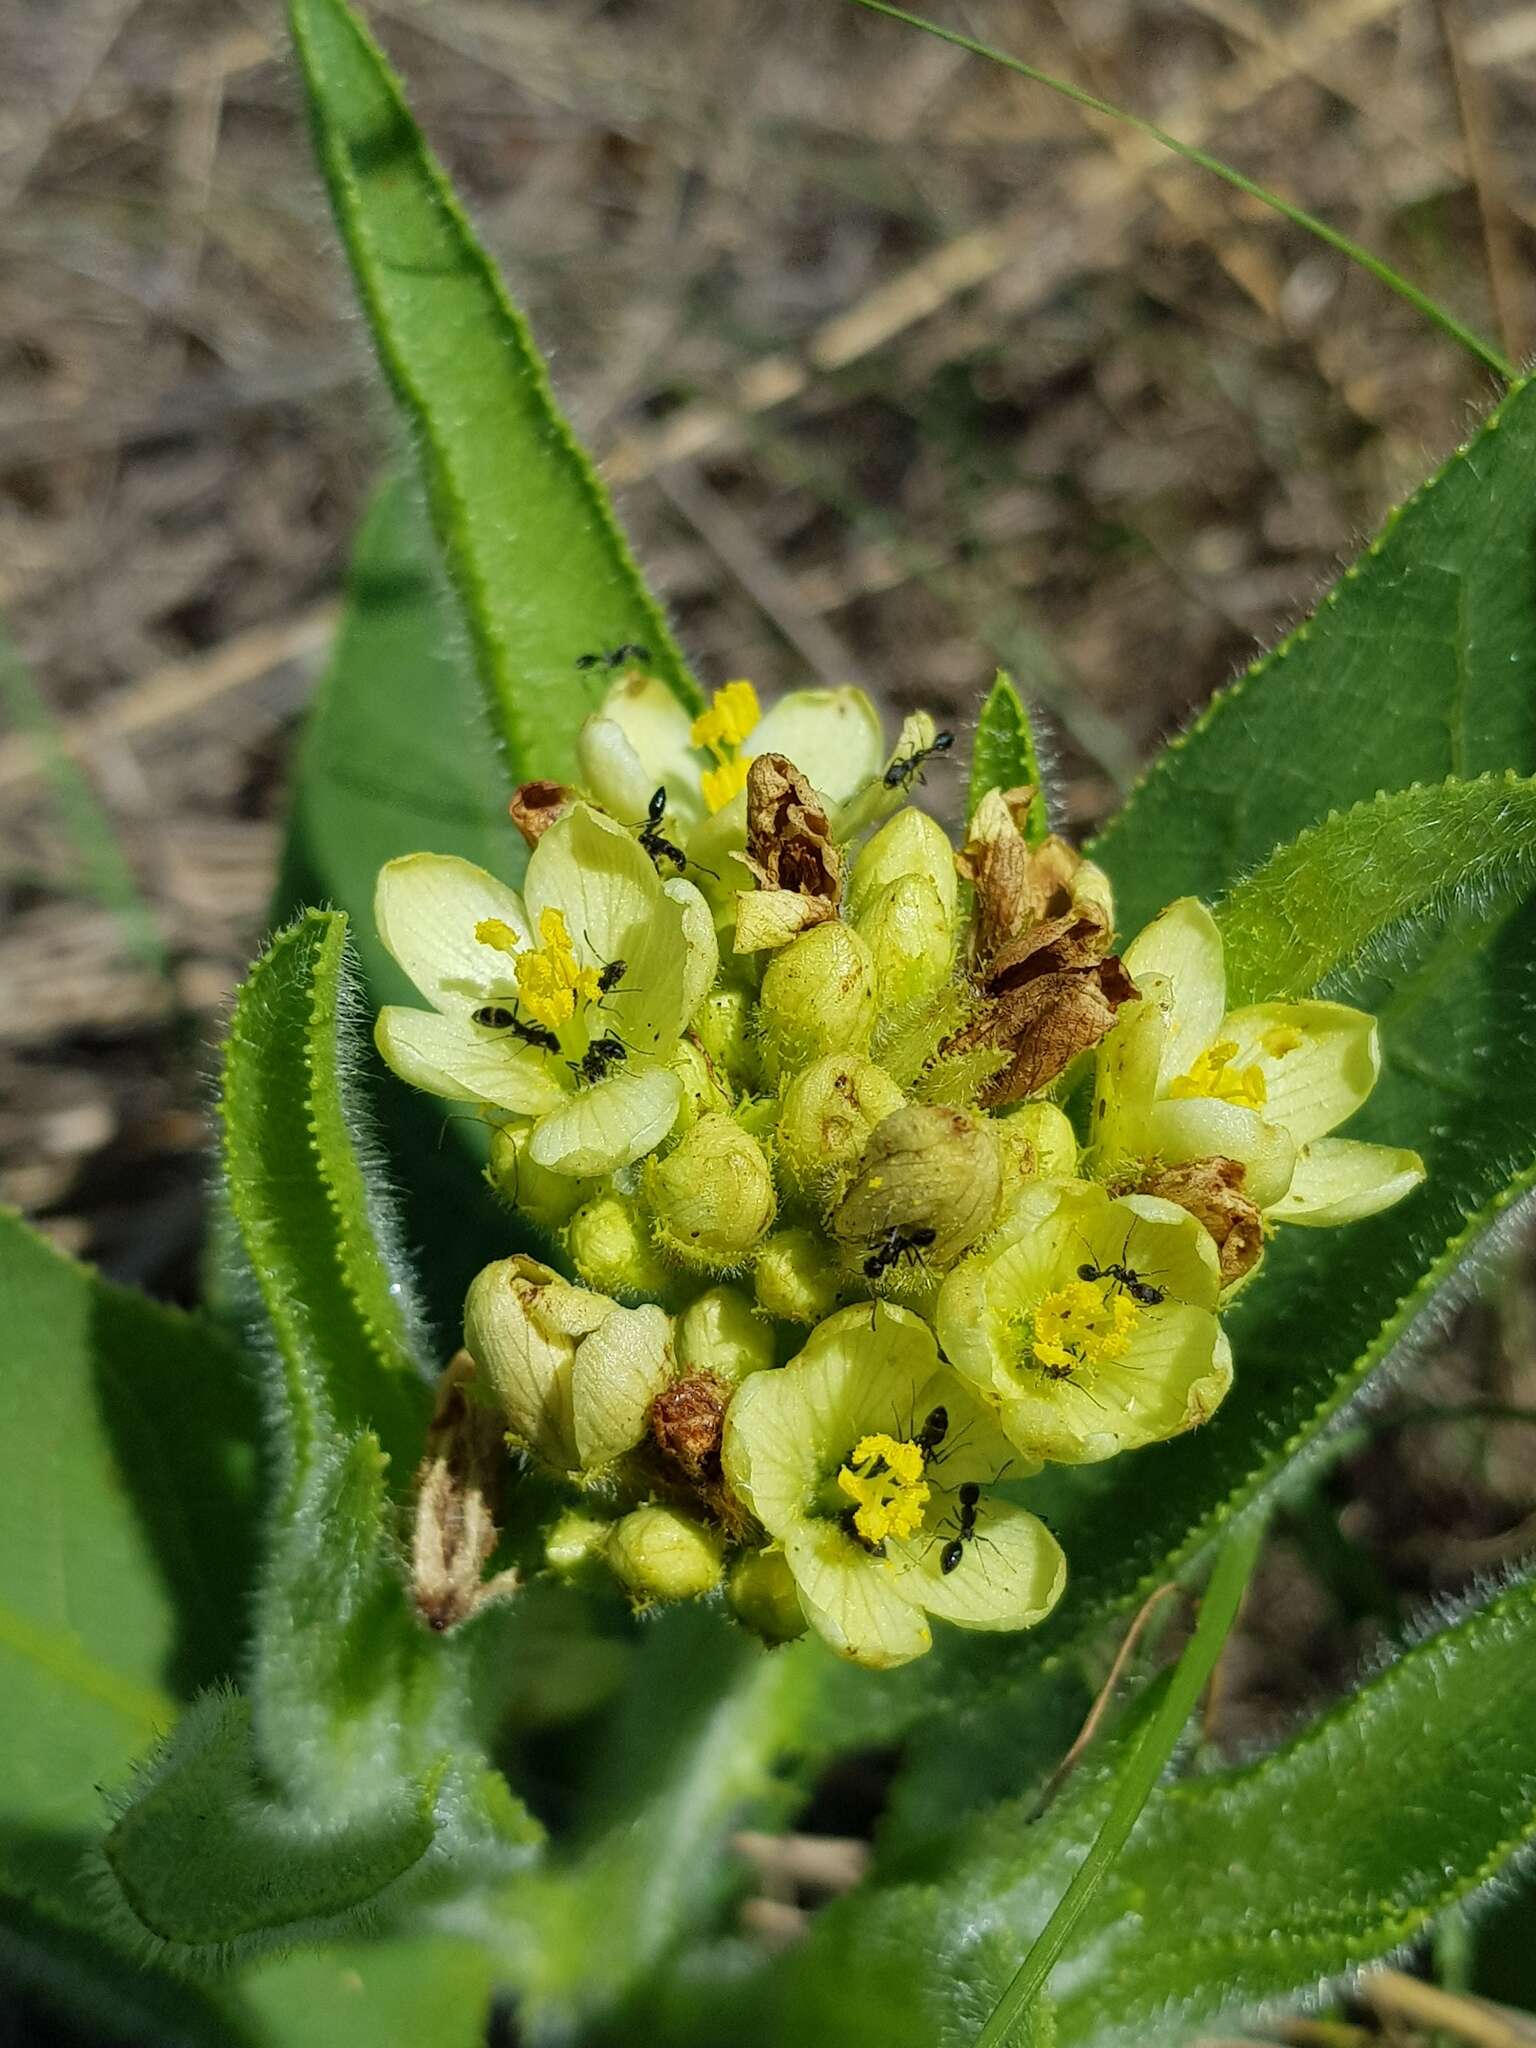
902,369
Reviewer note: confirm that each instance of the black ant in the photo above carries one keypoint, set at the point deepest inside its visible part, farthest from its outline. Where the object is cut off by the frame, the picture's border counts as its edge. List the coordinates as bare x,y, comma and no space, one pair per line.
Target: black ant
615,657
902,1241
965,1519
933,1432
495,1017
658,847
600,1055
908,768
1125,1276
611,976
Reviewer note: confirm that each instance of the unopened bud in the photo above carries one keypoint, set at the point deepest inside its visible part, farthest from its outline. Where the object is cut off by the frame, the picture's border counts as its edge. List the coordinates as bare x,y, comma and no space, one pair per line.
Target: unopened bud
663,1555
576,1541
828,1112
545,1198
911,938
1038,1143
723,1026
911,844
712,1195
573,1373
522,1323
702,1092
818,996
931,1180
720,1333
764,1598
610,1246
796,1278
618,1372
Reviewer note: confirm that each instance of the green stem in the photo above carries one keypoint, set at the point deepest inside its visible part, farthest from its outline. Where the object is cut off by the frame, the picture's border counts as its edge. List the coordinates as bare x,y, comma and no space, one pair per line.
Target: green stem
1383,272
1140,1772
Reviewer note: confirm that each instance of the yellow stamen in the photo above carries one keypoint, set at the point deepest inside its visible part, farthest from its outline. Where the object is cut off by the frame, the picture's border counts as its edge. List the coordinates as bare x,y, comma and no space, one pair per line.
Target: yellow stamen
1281,1039
885,1478
720,784
1214,1075
1086,1323
549,981
495,931
733,712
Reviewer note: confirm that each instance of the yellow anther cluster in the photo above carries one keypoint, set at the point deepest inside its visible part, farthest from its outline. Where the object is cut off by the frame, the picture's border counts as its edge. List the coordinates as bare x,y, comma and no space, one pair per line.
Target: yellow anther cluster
885,1478
1214,1074
496,933
733,713
1085,1323
549,981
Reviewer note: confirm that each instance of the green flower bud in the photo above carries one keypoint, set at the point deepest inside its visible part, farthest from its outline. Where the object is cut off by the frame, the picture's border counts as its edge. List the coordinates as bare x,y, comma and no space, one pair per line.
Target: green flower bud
818,996
925,1170
663,1555
762,1595
796,1277
575,1542
712,1195
911,844
911,937
522,1324
828,1113
545,1198
610,1247
1038,1143
723,1026
702,1092
719,1333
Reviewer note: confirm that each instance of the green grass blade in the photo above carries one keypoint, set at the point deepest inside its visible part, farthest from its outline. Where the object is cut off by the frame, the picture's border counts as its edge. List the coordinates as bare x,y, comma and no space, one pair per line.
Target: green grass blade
1432,311
104,871
1144,1763
542,571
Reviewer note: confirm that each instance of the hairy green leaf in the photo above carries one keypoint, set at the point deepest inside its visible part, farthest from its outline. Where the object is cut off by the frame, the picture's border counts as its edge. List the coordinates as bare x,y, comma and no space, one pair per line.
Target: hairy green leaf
541,569
359,1722
397,758
204,1865
1414,667
315,1231
1005,755
127,1481
1238,1889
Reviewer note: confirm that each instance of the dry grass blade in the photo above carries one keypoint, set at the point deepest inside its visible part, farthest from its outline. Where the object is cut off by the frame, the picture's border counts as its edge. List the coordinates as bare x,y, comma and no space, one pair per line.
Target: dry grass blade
1475,2021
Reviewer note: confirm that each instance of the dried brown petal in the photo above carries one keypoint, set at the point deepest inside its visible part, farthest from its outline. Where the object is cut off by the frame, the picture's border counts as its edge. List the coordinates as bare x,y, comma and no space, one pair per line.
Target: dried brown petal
1212,1191
790,852
1043,1022
538,805
458,1491
1018,885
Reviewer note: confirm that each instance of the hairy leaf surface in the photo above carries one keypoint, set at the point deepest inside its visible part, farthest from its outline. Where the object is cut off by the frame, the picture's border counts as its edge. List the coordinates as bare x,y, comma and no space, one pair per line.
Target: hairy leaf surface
542,572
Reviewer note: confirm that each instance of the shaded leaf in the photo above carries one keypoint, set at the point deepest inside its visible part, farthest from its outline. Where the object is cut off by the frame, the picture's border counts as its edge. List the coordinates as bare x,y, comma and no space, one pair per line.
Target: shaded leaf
1238,1889
127,1478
